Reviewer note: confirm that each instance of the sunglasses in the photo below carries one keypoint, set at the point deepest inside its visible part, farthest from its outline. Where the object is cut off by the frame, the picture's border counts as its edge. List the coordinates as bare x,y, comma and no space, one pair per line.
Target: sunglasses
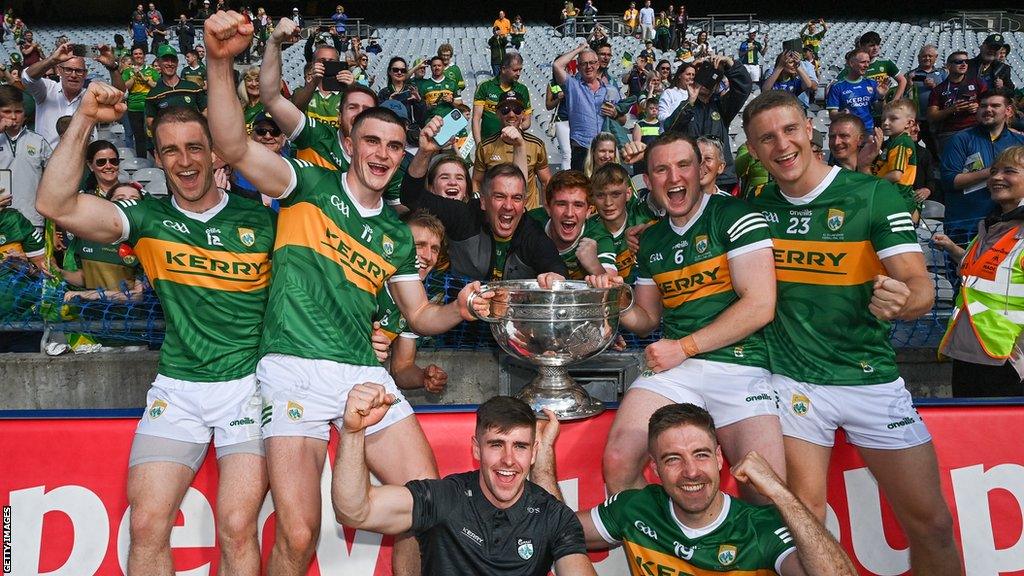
267,132
399,70
958,61
101,162
508,108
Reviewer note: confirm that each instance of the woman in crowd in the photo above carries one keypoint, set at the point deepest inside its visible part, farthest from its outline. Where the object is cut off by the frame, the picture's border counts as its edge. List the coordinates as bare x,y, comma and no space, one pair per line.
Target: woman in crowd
603,149
359,71
662,31
790,76
983,337
249,95
518,33
702,47
569,13
672,97
448,176
401,88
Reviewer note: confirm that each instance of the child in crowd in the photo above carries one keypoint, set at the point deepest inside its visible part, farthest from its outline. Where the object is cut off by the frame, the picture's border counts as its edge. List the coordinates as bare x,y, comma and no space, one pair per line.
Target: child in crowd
897,160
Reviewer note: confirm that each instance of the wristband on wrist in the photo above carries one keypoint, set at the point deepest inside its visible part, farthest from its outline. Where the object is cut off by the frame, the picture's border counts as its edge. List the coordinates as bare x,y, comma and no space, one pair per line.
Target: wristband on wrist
689,346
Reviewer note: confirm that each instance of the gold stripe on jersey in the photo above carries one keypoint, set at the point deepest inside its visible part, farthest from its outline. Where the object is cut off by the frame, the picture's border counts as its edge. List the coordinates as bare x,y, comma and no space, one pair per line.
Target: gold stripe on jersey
625,261
693,282
826,263
310,155
15,247
305,225
203,268
645,562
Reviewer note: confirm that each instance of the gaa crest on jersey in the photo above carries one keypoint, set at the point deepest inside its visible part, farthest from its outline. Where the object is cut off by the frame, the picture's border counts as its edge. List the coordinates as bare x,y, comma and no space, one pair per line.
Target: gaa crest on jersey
726,554
387,245
3,239
701,243
294,411
525,549
247,236
157,409
867,368
835,219
801,404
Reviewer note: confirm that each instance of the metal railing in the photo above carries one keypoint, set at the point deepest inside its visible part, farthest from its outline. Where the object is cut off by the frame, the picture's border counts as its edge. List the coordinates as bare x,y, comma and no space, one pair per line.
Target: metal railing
999,21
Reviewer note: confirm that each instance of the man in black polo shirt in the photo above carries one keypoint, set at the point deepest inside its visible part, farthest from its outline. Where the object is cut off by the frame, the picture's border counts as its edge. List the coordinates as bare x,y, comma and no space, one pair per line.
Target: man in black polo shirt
489,521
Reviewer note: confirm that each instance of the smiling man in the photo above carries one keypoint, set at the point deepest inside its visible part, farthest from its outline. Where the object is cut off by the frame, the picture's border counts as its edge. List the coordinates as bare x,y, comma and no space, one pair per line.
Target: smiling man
171,89
489,521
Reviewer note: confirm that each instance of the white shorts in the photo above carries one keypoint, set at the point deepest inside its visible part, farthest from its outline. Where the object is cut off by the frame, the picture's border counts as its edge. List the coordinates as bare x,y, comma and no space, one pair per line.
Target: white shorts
729,392
754,70
302,397
880,416
187,411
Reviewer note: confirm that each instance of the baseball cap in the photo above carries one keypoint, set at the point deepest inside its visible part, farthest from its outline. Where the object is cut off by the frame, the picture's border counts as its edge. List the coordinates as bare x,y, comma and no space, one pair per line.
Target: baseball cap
396,107
510,97
265,118
166,50
995,41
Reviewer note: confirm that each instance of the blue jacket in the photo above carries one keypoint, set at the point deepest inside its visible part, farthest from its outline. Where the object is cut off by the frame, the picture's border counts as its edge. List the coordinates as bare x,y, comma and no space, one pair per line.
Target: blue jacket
975,205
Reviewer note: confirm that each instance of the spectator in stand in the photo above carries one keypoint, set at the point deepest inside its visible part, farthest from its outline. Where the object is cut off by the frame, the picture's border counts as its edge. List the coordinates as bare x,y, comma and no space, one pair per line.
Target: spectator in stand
31,51
925,78
451,69
953,103
554,101
340,19
589,99
439,91
268,133
750,52
19,240
891,83
18,32
359,71
598,37
849,143
518,33
996,73
317,103
569,14
171,90
646,22
11,75
603,150
638,77
631,19
119,49
194,70
403,90
855,93
486,122
448,177
261,24
139,32
139,11
249,96
153,13
300,22
967,159
186,33
589,17
672,97
662,31
702,47
811,36
811,60
22,152
139,79
513,145
158,33
502,24
926,186
707,113
604,60
791,76
497,44
680,20
204,11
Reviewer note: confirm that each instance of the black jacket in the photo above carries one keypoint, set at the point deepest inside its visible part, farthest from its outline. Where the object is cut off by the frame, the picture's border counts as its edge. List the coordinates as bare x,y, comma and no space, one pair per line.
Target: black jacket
996,70
471,244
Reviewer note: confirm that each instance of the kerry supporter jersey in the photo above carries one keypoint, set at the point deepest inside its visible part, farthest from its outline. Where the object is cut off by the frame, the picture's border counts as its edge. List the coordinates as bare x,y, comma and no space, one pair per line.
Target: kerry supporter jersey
331,259
745,540
592,229
211,272
317,143
690,268
828,249
638,211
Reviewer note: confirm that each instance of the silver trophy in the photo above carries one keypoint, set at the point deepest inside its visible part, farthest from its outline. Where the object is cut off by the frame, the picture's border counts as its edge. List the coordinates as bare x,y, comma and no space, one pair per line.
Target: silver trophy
552,328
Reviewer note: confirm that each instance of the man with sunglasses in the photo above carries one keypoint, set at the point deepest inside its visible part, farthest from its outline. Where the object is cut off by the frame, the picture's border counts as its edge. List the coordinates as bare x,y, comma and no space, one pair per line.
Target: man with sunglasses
953,102
486,122
266,132
512,144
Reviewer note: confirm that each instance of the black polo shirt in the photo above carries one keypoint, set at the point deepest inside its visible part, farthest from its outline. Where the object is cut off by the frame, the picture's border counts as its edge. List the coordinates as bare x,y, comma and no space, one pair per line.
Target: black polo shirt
461,532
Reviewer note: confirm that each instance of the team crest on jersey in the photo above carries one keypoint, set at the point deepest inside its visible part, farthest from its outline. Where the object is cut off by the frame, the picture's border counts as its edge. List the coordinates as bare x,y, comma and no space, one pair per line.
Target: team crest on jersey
867,368
726,554
525,549
3,239
387,245
188,99
737,351
294,411
870,89
801,404
157,409
835,219
247,236
716,116
701,243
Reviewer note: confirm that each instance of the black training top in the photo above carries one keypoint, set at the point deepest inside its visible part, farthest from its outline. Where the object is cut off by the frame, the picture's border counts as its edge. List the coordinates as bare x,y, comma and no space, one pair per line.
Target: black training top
461,532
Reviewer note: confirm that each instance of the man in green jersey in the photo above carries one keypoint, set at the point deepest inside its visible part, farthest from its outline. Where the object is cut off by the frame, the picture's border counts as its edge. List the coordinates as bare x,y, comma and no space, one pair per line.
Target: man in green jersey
207,255
315,140
811,36
439,92
486,122
619,209
687,525
705,275
194,71
584,244
171,90
848,263
338,245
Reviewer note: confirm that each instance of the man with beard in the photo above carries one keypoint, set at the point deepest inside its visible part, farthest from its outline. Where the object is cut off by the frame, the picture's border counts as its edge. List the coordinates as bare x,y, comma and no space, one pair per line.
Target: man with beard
338,245
584,244
689,526
488,521
705,275
513,144
207,255
996,73
488,238
316,141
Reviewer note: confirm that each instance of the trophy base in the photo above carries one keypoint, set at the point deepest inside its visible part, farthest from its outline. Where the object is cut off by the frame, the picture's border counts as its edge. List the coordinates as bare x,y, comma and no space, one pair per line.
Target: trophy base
555,390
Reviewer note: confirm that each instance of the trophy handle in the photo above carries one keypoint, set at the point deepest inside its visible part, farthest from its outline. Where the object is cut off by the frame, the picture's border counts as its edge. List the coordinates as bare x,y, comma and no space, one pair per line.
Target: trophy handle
632,299
472,310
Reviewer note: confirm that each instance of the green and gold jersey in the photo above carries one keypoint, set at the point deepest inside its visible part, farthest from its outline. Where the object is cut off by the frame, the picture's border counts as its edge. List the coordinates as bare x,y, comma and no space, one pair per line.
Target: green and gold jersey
638,211
388,315
828,249
454,73
139,90
331,260
184,93
211,272
432,91
745,540
318,144
898,153
325,109
592,229
104,266
500,257
487,95
690,267
18,235
196,75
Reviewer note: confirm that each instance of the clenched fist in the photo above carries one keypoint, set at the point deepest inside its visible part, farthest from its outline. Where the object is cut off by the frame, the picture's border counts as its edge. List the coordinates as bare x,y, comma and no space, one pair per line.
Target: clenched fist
102,103
227,35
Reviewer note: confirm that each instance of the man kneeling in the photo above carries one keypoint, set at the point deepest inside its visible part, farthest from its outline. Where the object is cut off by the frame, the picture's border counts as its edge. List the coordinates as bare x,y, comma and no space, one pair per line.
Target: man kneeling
488,521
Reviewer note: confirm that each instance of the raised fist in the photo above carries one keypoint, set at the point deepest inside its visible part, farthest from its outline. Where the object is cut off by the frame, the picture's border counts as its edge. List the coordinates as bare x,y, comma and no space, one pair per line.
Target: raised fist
227,35
102,103
286,29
